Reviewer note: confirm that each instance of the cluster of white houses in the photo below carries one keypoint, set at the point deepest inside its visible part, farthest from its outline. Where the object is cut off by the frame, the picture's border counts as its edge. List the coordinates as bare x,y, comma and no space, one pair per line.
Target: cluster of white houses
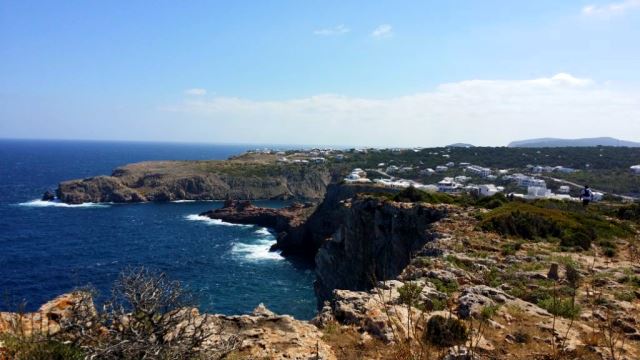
535,188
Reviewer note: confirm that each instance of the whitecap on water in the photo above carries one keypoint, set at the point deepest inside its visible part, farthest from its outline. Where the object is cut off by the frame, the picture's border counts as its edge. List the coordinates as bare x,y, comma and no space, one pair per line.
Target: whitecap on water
263,232
258,251
254,249
210,221
57,203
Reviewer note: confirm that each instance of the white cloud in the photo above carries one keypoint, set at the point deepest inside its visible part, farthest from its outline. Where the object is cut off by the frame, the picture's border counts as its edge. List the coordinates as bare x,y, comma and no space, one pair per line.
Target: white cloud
196,92
483,112
382,31
611,8
336,30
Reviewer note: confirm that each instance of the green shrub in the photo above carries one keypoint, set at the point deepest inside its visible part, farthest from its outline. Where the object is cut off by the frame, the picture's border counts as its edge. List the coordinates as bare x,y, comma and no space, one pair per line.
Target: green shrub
577,239
445,332
560,307
629,212
492,202
444,286
411,194
625,295
521,337
30,348
437,304
552,220
410,294
489,311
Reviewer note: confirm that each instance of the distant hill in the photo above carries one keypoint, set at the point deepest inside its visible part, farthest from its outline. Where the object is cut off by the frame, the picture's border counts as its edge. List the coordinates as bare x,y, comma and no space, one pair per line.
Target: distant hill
462,145
553,142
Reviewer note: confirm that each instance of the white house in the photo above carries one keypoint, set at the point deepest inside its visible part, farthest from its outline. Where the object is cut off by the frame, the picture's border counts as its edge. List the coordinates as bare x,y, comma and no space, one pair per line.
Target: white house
565,170
564,189
448,185
478,170
441,168
526,181
537,192
635,169
487,190
451,164
427,172
597,196
392,168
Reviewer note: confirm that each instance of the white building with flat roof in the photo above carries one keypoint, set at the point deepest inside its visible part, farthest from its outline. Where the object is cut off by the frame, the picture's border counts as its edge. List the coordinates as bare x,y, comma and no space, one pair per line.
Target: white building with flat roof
478,171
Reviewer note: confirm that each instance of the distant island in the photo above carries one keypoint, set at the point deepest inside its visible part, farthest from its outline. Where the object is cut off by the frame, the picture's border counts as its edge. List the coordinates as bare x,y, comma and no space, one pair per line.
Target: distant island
585,142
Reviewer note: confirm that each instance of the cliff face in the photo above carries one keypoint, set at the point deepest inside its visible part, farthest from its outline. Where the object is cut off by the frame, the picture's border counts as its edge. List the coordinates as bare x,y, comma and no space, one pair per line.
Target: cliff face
198,180
375,241
323,222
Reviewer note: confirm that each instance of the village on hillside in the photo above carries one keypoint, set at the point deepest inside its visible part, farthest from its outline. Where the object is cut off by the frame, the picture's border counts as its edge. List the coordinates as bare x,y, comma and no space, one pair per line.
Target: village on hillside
527,182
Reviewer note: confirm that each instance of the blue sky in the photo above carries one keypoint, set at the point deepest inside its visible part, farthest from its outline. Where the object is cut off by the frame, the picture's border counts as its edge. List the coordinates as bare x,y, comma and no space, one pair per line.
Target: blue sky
322,72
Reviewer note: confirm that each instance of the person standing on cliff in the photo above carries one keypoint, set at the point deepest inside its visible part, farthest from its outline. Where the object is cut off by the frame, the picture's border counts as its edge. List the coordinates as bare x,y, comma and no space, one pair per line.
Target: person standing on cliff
586,196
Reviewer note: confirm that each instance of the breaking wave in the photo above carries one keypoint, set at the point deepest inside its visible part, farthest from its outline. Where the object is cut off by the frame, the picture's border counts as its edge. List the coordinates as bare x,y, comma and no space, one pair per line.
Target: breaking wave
209,221
57,203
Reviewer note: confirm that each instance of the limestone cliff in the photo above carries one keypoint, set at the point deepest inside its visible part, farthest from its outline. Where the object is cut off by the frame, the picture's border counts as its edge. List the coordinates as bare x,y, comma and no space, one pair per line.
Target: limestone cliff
375,241
199,180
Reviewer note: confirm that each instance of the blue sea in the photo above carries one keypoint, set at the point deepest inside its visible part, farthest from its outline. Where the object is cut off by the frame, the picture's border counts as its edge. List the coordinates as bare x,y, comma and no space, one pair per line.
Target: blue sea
47,249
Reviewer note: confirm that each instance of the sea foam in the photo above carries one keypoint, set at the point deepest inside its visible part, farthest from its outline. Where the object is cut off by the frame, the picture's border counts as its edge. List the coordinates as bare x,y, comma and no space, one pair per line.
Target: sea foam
253,249
58,203
209,221
257,251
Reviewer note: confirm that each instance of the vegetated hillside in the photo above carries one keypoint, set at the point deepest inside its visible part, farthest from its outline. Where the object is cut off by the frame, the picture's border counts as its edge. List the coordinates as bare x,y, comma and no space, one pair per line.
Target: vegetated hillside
598,158
508,285
554,142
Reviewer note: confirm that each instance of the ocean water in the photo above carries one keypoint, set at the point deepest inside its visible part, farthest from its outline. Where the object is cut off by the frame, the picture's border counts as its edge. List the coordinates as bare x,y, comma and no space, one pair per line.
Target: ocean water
47,249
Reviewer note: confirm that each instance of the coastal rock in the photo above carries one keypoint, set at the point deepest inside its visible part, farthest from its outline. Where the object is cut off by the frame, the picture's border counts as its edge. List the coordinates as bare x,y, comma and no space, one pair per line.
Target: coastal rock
259,335
198,180
265,335
48,320
301,229
375,242
48,196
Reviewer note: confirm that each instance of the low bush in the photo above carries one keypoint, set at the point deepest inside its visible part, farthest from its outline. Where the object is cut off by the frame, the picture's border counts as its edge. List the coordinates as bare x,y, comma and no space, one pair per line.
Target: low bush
560,307
521,337
411,194
410,294
444,286
445,332
574,229
35,348
628,212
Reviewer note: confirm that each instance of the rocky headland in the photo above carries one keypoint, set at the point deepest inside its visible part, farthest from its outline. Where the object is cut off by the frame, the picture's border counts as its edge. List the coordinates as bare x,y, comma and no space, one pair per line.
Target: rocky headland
243,178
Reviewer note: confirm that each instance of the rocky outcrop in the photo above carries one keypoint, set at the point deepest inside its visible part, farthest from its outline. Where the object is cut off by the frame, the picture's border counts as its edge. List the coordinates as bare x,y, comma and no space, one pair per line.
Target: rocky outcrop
198,180
259,335
287,223
375,241
301,229
49,318
265,335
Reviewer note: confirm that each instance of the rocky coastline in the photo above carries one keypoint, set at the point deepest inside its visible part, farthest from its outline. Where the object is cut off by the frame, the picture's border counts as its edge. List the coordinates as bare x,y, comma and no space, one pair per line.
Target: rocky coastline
197,180
384,268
